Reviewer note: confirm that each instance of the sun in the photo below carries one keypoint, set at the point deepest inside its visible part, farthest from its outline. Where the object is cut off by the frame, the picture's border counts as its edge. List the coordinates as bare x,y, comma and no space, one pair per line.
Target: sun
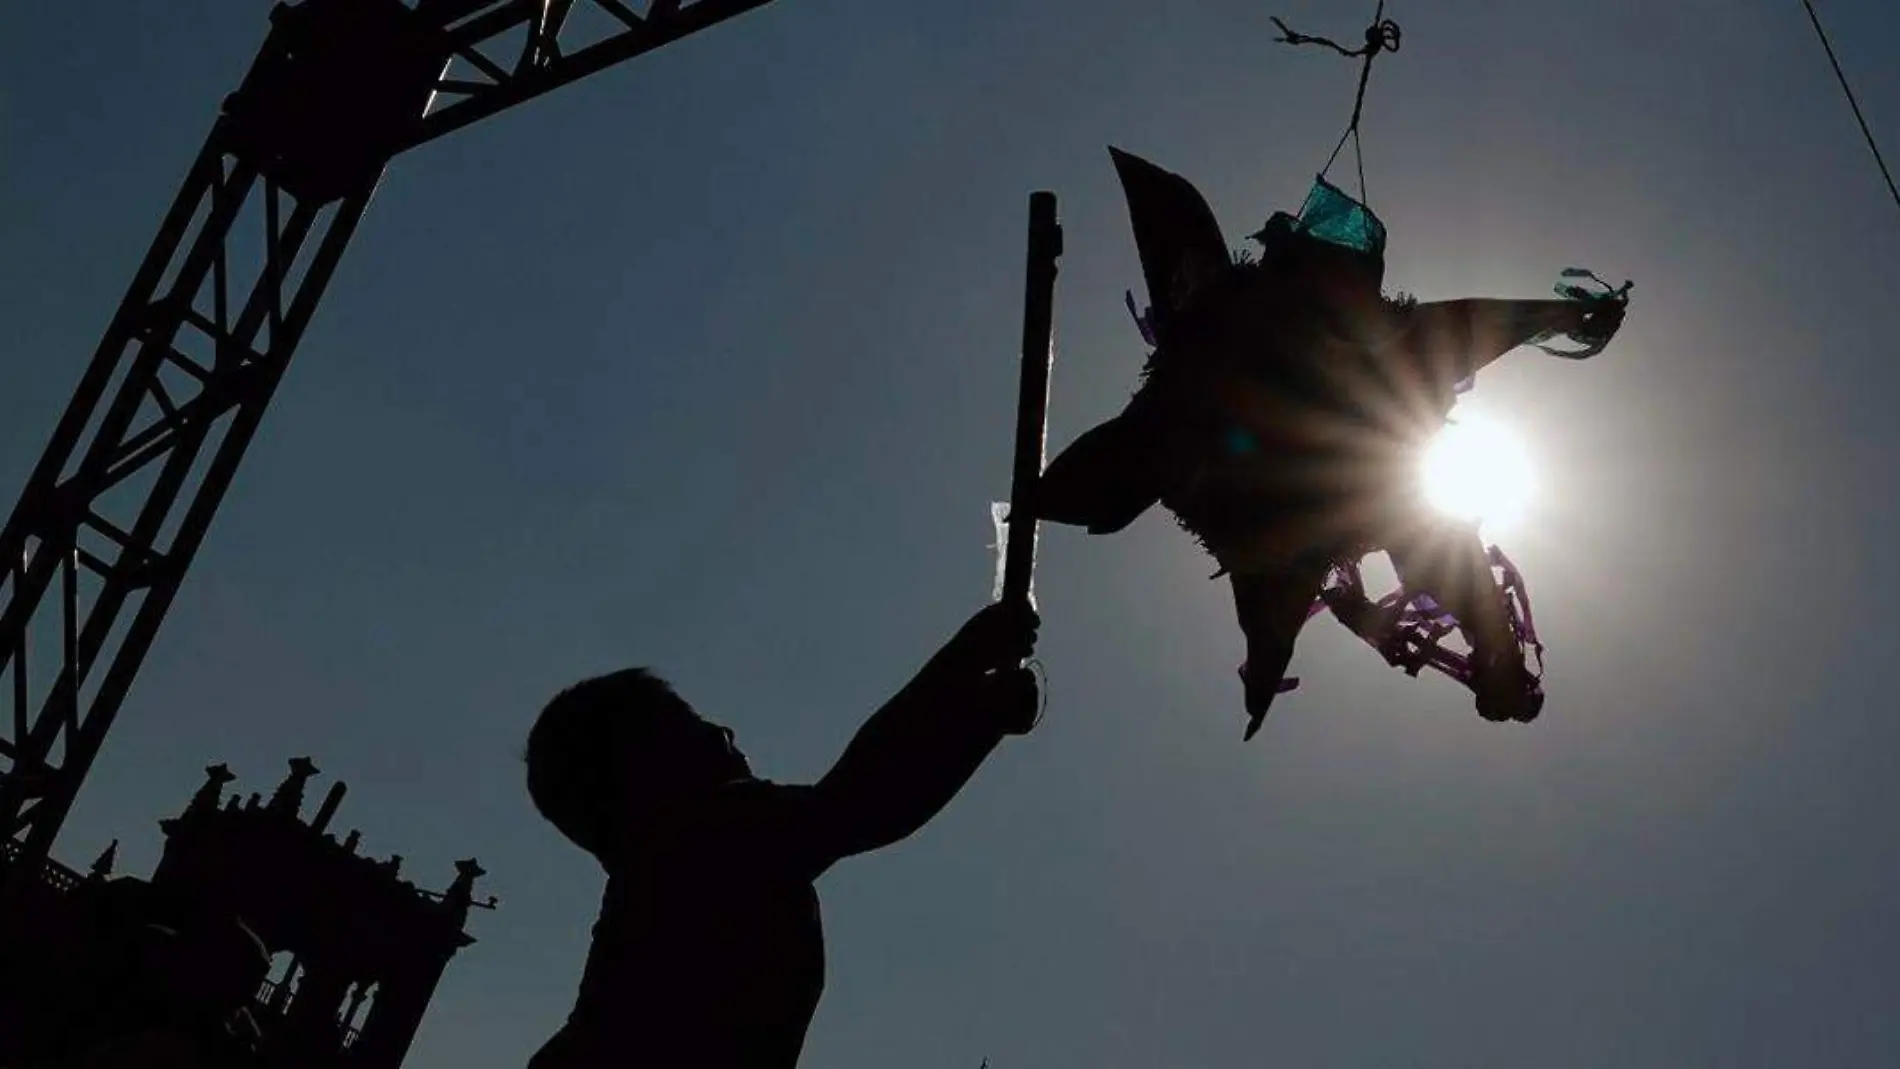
1477,469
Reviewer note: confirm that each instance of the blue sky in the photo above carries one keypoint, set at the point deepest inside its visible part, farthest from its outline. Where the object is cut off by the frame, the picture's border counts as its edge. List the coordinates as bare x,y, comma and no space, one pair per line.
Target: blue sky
707,363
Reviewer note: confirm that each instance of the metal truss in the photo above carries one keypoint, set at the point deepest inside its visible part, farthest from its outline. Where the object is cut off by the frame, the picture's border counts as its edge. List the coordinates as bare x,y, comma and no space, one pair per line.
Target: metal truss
111,518
508,51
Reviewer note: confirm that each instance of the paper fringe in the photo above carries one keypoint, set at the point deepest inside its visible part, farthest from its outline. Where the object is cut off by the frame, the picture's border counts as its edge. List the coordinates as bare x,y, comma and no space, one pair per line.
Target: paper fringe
999,522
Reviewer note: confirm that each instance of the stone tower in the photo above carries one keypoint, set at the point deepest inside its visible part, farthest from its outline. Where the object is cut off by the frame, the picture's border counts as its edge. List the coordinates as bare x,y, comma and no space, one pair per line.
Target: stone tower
361,949
258,928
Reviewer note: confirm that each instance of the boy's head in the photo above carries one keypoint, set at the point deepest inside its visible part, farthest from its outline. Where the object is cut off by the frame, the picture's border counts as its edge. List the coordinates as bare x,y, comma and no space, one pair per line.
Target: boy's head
614,747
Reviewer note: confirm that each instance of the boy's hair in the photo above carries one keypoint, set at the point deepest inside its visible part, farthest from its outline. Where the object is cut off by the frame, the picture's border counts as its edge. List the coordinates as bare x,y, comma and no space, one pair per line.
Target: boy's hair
571,756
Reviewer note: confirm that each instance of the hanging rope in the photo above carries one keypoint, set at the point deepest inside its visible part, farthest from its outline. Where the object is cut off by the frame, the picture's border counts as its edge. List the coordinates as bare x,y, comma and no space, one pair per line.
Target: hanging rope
1382,36
1852,102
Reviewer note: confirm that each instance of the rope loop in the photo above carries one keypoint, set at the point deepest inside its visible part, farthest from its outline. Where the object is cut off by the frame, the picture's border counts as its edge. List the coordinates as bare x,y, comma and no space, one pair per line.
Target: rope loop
1383,36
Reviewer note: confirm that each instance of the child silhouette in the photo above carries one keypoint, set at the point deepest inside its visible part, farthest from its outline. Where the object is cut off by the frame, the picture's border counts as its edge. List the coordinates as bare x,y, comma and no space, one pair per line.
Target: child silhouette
709,950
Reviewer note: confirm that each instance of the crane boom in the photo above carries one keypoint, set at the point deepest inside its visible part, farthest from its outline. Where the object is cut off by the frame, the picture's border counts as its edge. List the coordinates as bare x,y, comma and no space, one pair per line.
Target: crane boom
117,507
544,66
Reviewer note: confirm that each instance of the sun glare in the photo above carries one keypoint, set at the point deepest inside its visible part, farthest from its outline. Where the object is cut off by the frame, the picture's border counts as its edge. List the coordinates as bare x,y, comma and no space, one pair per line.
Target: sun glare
1477,469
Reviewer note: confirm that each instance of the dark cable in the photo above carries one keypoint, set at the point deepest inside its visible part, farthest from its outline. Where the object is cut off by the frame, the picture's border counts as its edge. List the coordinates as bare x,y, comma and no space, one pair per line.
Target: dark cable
1852,102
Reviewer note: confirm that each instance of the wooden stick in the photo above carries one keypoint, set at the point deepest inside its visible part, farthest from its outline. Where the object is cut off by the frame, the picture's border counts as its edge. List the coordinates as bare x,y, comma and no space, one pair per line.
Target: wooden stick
1032,403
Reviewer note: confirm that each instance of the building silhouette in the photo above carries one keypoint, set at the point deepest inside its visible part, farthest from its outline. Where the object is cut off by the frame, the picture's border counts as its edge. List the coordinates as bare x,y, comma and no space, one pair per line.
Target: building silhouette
259,933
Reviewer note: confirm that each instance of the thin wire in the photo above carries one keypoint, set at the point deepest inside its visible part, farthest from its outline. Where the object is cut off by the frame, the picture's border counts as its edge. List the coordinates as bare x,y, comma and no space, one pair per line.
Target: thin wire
1852,102
1358,109
1359,154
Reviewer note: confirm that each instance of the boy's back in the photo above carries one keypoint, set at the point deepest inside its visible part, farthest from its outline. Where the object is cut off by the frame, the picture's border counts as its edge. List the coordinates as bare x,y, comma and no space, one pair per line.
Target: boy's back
709,951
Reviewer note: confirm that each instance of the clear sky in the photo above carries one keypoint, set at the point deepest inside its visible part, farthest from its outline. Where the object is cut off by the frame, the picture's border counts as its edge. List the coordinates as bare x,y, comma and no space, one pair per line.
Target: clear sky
708,363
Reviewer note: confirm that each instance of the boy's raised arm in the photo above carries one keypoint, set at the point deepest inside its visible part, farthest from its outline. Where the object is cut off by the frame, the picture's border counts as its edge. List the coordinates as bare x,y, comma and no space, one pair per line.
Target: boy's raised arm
914,754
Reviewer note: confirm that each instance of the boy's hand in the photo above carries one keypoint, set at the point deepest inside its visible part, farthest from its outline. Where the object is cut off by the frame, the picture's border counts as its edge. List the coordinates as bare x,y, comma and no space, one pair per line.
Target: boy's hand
999,636
1014,698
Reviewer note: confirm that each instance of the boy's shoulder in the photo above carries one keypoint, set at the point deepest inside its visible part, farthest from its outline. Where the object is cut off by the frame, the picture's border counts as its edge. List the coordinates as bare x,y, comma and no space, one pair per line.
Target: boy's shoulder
748,825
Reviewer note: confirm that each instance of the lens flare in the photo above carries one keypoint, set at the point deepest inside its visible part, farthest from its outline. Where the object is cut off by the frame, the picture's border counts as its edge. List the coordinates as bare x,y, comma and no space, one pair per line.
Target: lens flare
1476,469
